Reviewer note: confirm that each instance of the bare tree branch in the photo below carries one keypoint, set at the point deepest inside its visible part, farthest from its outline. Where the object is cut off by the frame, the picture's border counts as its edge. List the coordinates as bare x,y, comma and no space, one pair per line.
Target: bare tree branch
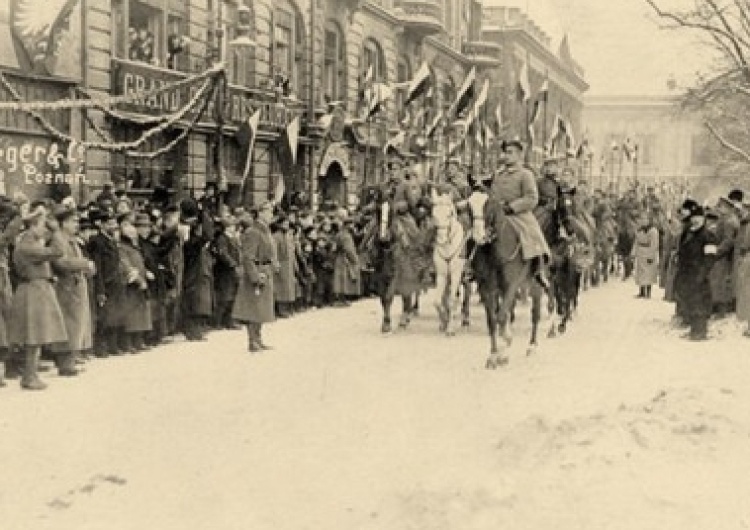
735,39
726,143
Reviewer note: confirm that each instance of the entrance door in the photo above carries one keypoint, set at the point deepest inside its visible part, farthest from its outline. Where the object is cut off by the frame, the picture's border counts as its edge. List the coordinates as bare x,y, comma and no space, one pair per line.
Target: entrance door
333,185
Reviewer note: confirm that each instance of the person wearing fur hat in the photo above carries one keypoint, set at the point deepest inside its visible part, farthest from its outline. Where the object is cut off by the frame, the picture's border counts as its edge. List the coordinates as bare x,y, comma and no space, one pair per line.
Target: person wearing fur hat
73,271
135,305
197,293
254,303
695,257
36,319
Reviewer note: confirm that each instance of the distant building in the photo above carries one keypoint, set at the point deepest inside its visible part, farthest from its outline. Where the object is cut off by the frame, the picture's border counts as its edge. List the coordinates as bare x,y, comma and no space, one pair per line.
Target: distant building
672,146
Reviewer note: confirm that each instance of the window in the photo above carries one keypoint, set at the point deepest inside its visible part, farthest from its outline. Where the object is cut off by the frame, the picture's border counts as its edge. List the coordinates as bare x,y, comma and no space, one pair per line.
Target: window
373,56
151,31
288,45
144,173
646,149
334,70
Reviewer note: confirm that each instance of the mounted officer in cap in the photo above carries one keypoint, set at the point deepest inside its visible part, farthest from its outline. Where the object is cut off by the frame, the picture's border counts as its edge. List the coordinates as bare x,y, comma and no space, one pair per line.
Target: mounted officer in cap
457,185
515,191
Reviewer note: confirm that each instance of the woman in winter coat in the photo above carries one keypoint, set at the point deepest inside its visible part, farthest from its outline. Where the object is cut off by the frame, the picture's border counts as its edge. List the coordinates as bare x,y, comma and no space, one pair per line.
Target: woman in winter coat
136,308
646,255
36,319
346,270
72,270
284,279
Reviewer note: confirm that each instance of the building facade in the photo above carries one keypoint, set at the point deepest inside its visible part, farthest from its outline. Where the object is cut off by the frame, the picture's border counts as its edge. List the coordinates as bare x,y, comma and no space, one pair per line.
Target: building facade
672,145
520,41
311,59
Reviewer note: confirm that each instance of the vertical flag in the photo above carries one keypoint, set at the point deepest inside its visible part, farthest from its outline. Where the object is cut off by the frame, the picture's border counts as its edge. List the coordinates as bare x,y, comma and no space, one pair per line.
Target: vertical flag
292,133
465,94
278,192
252,124
524,89
419,85
499,117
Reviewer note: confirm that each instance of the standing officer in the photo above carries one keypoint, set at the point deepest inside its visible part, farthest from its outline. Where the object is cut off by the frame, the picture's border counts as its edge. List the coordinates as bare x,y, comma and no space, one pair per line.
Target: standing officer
254,304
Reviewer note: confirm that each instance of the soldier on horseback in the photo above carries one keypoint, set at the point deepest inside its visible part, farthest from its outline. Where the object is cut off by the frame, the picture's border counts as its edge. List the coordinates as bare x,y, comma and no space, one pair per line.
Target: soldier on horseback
515,191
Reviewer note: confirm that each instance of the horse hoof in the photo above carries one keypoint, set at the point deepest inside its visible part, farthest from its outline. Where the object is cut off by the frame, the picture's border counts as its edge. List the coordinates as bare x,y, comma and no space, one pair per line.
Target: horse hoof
551,334
490,365
385,328
503,361
450,333
561,328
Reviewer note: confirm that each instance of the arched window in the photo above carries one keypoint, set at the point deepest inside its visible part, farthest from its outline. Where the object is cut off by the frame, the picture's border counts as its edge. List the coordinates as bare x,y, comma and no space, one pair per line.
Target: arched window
334,69
373,56
288,45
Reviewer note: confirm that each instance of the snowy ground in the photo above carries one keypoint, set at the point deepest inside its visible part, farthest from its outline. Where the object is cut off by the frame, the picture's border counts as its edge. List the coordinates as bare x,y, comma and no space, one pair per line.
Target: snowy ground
617,425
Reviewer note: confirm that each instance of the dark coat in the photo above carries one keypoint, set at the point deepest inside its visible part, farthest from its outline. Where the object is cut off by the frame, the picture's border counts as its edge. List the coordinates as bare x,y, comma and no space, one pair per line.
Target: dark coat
346,270
136,308
226,251
72,289
694,262
35,316
284,278
197,293
722,284
255,301
109,280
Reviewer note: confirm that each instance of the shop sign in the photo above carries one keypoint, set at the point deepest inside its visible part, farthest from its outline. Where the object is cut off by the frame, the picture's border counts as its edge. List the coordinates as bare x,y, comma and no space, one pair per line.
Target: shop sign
132,78
32,161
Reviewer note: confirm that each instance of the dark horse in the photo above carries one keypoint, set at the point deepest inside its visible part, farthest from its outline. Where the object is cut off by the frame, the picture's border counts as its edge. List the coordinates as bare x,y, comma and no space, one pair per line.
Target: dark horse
500,271
560,233
394,246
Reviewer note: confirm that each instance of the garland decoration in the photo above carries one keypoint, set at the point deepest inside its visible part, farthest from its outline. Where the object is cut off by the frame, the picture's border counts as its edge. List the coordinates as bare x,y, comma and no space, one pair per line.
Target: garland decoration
183,134
94,102
108,146
112,113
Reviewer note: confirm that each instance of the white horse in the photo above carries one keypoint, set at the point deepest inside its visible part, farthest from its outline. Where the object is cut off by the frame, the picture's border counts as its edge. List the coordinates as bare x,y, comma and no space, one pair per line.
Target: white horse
448,258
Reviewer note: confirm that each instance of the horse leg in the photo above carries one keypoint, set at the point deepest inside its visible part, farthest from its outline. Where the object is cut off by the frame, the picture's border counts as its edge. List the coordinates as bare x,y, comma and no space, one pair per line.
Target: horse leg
415,306
386,301
466,304
405,311
454,292
490,301
441,280
536,313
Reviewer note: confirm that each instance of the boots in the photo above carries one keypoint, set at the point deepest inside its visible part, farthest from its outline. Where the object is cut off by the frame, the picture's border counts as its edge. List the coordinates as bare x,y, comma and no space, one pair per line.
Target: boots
66,364
641,292
537,270
252,337
648,291
258,336
30,379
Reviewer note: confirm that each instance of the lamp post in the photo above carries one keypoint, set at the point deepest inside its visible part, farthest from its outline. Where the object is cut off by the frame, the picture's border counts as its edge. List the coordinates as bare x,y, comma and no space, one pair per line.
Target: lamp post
242,40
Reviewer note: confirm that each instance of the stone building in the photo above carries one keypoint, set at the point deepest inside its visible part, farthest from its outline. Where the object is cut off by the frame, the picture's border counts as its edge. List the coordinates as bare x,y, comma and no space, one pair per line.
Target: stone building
672,145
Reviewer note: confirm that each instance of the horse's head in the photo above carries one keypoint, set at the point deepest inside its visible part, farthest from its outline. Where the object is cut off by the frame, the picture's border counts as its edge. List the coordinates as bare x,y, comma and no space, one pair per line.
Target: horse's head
477,204
443,216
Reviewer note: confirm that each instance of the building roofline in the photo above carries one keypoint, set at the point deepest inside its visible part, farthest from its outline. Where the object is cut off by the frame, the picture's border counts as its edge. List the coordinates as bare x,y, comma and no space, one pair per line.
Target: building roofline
630,100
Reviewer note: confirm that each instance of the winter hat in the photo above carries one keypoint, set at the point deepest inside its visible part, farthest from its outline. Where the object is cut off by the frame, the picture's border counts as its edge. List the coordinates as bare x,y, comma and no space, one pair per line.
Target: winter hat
688,206
736,196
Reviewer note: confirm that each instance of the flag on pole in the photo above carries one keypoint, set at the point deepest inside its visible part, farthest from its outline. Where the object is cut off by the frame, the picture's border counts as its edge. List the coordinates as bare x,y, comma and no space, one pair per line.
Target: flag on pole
465,94
544,90
535,112
419,85
278,192
252,132
627,148
380,94
488,134
292,134
395,142
432,127
479,133
365,89
524,89
479,103
499,117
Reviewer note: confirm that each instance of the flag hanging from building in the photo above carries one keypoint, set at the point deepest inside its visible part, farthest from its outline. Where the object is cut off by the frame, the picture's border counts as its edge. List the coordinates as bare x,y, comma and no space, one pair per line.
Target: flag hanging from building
279,189
488,134
419,85
292,134
499,117
480,102
627,148
381,93
465,94
395,143
251,130
366,87
544,91
524,89
432,127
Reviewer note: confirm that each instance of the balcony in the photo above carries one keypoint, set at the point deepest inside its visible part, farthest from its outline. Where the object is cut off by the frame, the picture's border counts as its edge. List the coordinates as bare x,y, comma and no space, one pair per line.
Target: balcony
482,54
421,17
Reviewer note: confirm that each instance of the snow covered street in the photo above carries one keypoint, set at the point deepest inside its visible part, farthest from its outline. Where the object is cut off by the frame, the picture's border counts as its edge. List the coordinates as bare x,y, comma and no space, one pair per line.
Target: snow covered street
619,424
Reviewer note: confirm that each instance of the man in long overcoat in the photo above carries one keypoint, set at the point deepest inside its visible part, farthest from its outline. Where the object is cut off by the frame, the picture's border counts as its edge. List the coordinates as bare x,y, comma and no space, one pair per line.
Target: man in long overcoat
72,269
695,257
197,293
254,304
109,285
226,271
515,191
727,228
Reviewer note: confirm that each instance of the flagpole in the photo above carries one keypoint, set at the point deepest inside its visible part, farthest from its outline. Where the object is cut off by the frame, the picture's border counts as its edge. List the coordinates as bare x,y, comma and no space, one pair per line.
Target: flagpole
366,151
546,99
